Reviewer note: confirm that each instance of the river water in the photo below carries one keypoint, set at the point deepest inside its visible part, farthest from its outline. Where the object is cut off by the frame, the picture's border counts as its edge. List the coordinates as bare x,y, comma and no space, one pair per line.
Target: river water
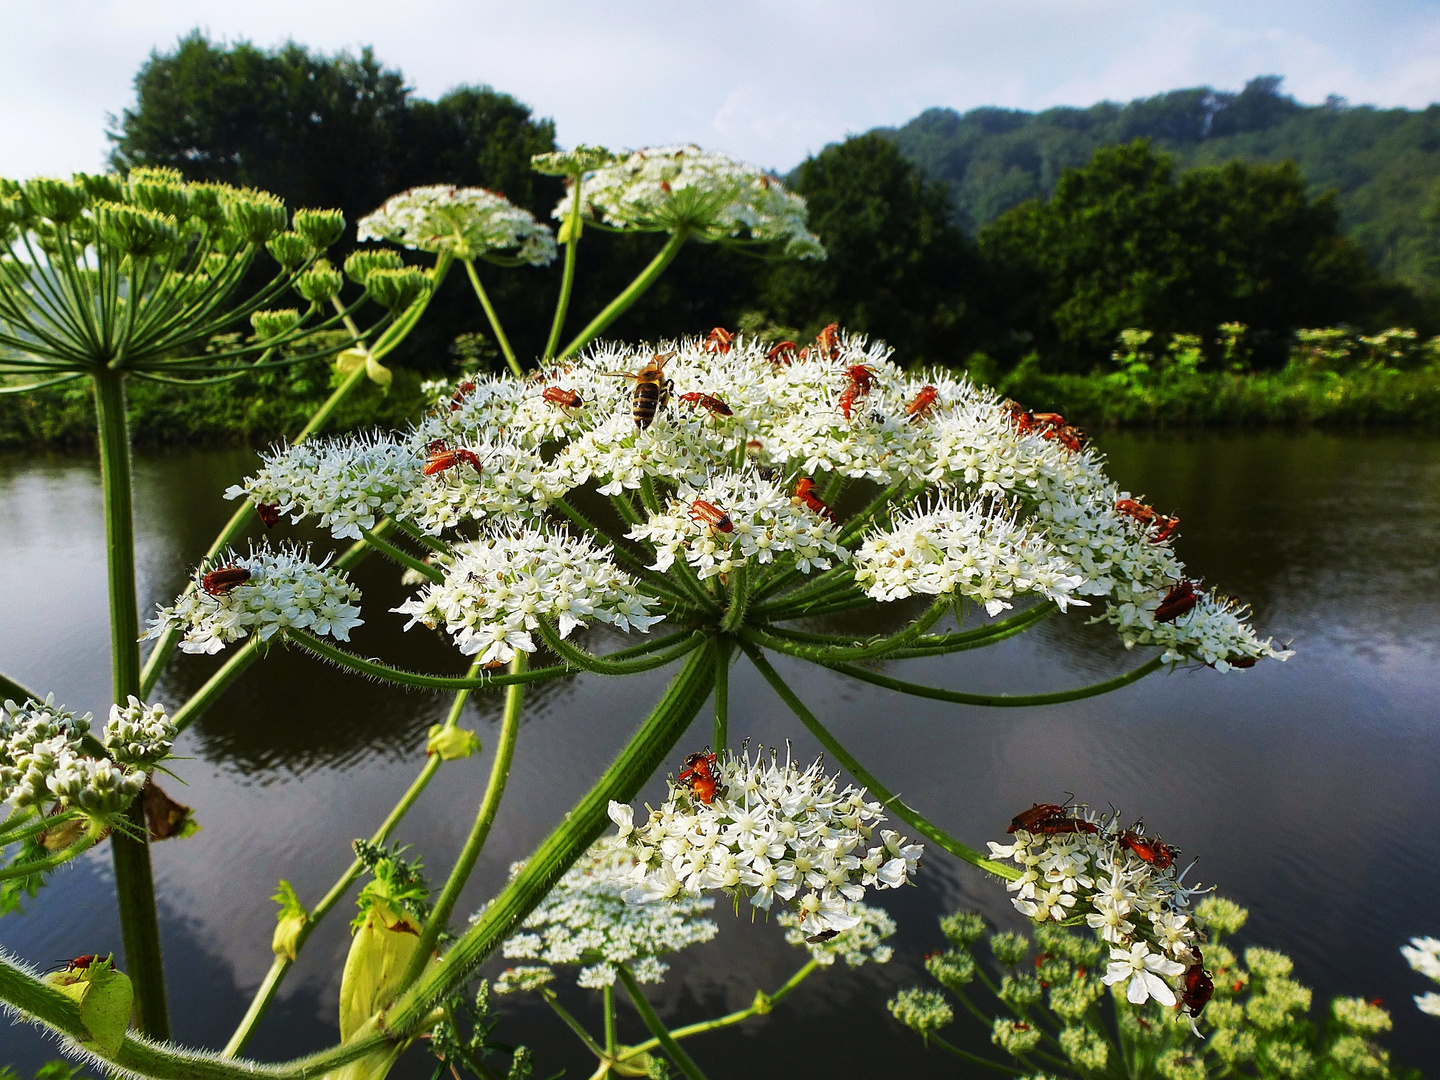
1309,789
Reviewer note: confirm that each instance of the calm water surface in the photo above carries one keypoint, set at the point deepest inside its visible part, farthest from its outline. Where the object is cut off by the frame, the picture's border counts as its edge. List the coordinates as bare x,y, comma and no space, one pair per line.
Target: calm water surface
1309,789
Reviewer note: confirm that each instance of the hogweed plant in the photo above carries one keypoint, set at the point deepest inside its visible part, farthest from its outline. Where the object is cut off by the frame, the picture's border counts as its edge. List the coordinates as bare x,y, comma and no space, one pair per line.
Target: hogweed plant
706,496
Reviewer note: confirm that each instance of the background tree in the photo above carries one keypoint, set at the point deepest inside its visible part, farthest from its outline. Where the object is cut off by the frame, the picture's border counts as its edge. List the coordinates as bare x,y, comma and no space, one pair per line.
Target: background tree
1123,242
898,267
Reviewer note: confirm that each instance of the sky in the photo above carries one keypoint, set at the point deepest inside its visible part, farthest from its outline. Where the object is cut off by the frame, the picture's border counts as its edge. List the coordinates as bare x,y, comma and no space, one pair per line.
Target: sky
770,82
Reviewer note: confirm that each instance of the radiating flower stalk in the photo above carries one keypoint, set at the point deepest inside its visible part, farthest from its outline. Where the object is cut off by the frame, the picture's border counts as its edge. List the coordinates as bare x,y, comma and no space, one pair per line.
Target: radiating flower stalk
1051,1008
703,497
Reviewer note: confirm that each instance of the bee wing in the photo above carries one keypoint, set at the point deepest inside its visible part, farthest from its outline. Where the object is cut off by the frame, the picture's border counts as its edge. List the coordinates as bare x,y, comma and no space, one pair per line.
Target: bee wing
619,374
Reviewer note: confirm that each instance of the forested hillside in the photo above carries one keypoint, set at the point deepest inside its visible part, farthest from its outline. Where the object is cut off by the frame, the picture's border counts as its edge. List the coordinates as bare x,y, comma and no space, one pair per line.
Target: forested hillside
1384,163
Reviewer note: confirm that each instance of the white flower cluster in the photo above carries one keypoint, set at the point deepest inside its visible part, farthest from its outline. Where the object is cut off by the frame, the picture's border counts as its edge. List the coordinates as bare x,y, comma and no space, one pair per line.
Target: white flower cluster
1136,904
759,523
1423,954
41,761
668,188
138,734
467,222
977,551
273,591
1214,632
497,588
585,920
865,941
771,831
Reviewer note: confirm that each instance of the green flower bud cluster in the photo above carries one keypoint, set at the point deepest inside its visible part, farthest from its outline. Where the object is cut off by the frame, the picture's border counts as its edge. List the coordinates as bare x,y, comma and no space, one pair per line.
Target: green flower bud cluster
1257,1021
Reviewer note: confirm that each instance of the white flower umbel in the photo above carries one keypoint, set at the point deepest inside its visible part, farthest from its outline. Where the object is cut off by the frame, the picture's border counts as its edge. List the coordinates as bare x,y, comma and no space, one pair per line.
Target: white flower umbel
771,832
1214,631
36,740
283,589
496,589
1422,954
977,551
100,788
710,194
467,222
138,734
585,921
1141,910
764,523
865,941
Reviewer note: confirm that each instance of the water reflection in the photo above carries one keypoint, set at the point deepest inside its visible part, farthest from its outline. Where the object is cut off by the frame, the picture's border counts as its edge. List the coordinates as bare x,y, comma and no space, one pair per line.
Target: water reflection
1288,780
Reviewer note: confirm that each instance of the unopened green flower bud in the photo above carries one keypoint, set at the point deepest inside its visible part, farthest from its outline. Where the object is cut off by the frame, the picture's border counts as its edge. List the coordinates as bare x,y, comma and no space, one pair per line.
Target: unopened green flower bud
101,187
952,970
1288,1059
576,162
360,264
254,216
922,1011
58,200
290,250
963,928
1358,1015
1267,963
12,212
452,743
1021,991
205,203
1015,1037
397,289
1072,1000
1009,948
1172,1064
1360,1057
104,996
159,193
270,325
321,283
321,227
290,921
139,233
1221,915
1086,1048
1232,1045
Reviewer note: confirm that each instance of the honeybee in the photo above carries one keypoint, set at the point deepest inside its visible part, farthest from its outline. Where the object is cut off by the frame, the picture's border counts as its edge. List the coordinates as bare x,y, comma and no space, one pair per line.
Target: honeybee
652,389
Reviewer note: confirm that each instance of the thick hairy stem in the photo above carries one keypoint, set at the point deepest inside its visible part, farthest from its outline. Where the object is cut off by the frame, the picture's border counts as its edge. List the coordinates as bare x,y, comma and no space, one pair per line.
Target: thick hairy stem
830,654
673,1050
484,819
890,801
639,759
216,685
134,884
91,837
1012,701
268,988
724,644
579,658
567,282
633,291
490,314
403,558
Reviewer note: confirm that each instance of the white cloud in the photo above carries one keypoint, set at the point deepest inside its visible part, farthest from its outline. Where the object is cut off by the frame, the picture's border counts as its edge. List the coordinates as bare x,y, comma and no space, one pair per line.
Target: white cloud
766,81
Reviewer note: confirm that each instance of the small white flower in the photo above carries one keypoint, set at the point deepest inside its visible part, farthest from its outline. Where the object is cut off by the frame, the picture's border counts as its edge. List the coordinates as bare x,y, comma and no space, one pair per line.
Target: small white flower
467,222
138,734
1143,969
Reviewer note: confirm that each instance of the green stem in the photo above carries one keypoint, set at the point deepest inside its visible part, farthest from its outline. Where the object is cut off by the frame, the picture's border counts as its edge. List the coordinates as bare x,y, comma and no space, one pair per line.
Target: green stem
639,759
494,320
673,1051
385,672
130,849
739,600
860,520
327,409
891,801
484,819
394,554
974,1059
723,646
577,657
42,823
762,1004
216,685
832,654
567,283
570,1022
959,697
90,838
265,994
616,307
611,1042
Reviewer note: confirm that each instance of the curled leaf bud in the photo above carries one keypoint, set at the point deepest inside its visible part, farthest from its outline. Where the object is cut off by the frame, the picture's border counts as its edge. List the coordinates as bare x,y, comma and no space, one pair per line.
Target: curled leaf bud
104,996
397,289
290,921
320,284
58,200
321,227
452,743
290,250
270,325
379,953
360,264
254,216
351,360
139,233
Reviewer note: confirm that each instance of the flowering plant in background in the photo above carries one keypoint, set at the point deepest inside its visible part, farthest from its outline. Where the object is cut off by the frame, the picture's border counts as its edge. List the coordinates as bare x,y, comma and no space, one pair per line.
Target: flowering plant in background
1423,954
701,498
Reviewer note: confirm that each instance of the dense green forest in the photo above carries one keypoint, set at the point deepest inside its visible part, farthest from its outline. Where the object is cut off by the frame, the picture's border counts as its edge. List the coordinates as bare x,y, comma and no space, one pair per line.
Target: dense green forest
1384,164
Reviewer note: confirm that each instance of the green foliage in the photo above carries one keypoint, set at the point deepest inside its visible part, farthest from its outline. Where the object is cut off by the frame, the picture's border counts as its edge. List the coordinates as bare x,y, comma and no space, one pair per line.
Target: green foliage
1383,163
51,1070
897,268
1124,242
